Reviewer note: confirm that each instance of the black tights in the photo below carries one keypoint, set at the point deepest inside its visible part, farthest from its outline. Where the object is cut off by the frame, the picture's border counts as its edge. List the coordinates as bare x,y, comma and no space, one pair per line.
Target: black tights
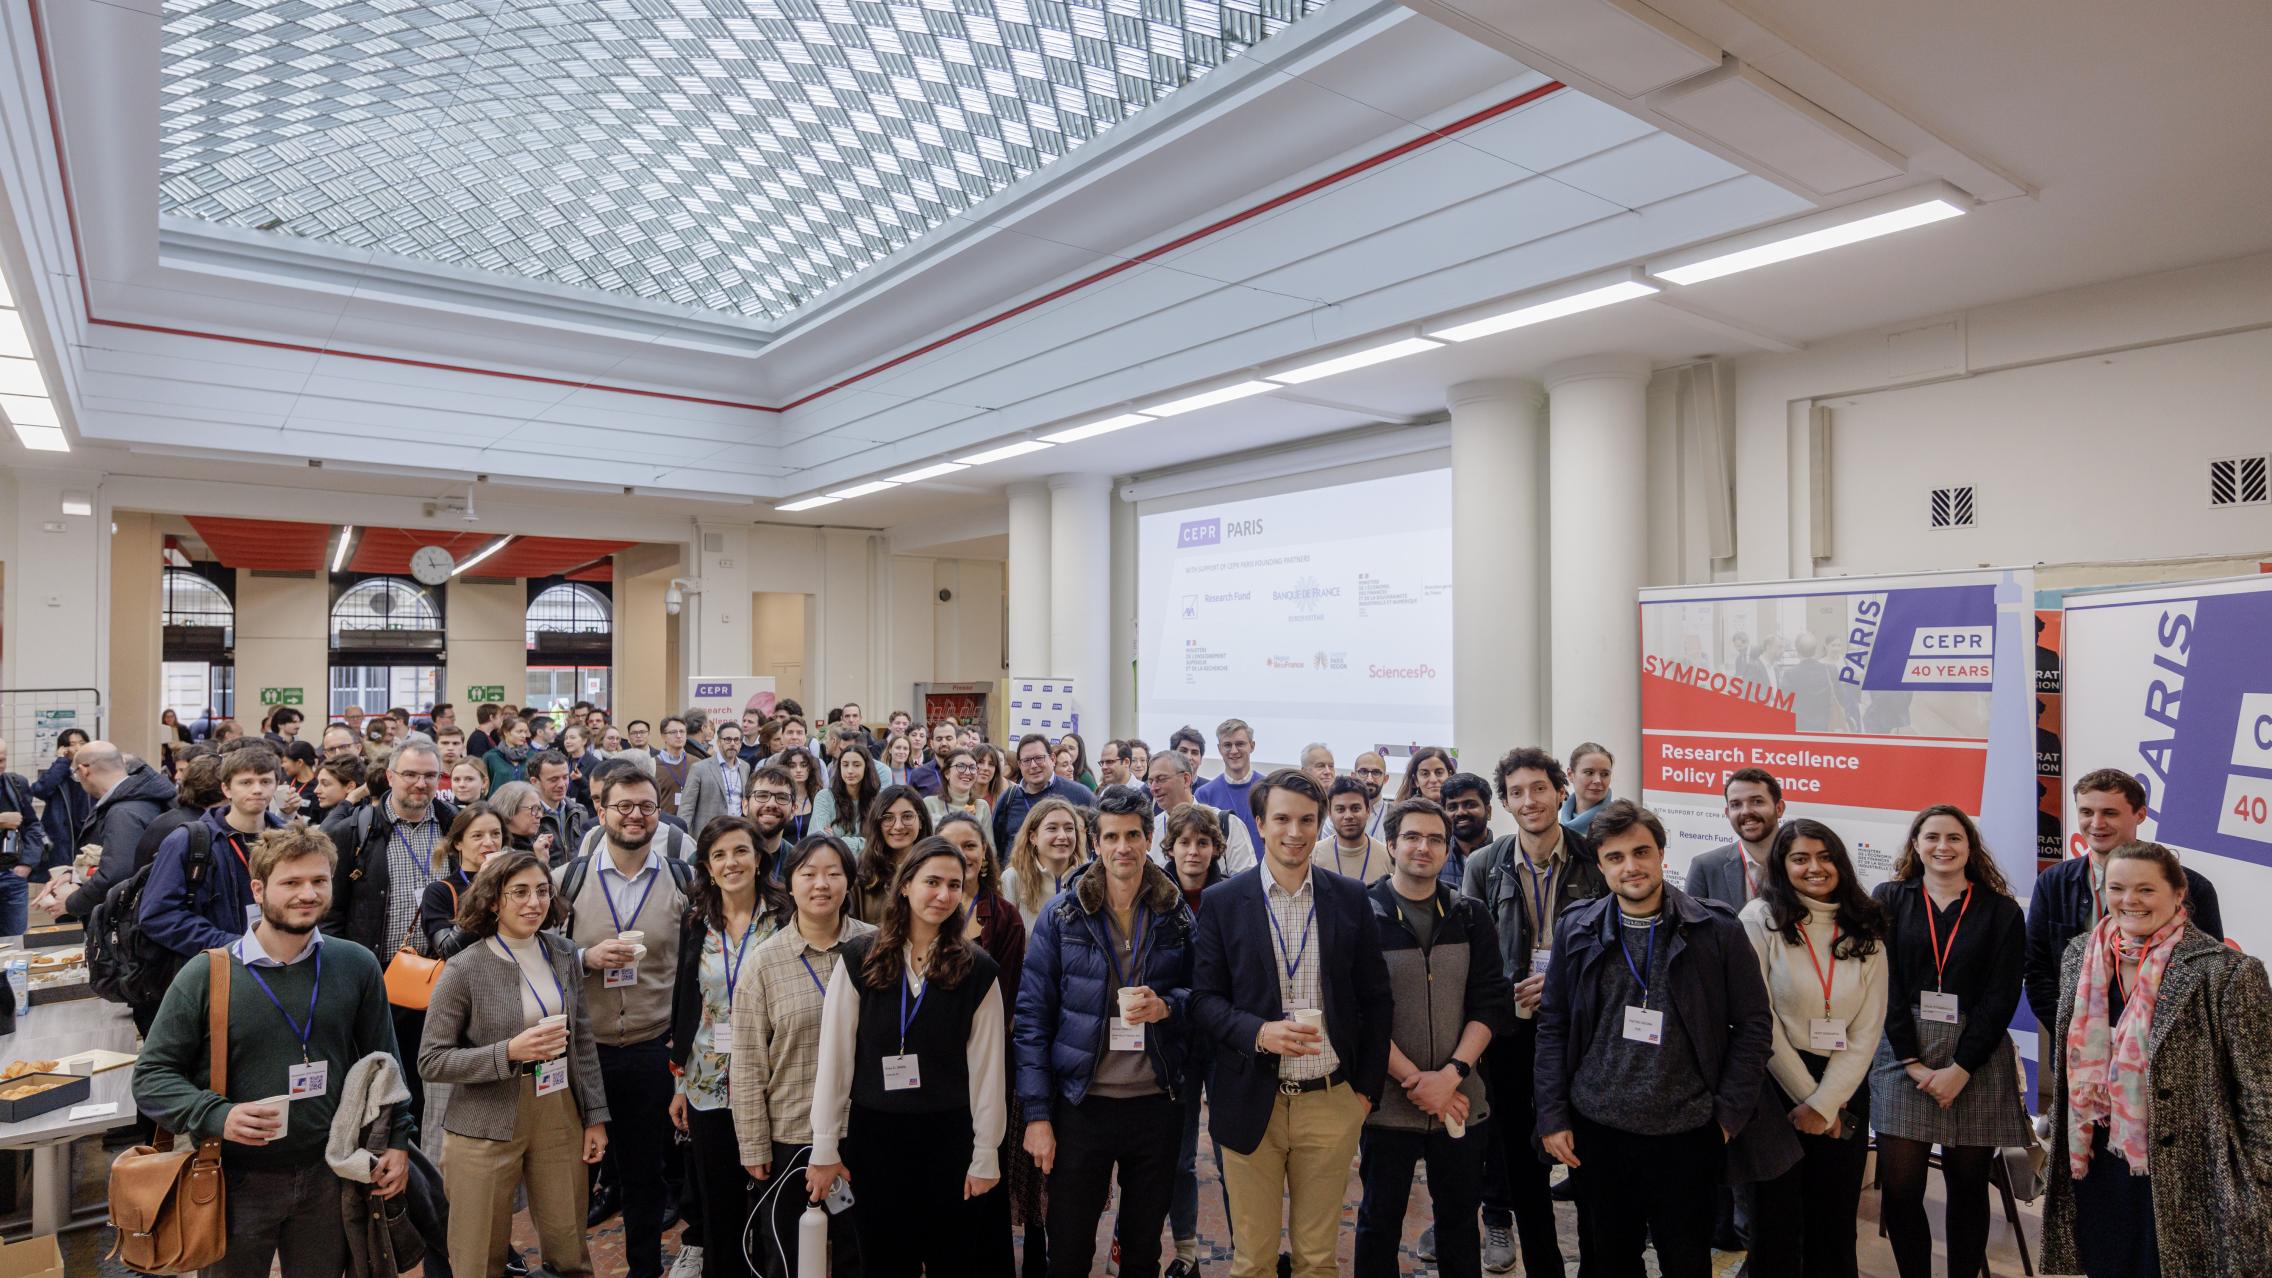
1964,1175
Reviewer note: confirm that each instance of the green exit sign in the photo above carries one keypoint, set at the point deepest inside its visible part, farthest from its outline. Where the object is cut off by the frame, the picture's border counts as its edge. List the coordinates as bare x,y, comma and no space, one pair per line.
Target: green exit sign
485,692
283,697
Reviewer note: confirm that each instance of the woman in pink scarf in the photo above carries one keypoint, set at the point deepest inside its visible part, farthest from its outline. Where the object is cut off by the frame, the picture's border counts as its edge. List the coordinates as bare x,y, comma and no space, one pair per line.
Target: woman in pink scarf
2162,1140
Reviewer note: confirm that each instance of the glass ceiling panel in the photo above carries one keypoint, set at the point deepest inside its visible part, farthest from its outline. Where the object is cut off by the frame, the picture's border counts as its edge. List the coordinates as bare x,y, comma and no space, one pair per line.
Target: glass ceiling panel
740,156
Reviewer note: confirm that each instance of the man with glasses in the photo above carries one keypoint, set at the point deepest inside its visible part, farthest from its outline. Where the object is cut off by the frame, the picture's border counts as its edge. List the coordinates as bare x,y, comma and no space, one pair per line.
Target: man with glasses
1372,769
1235,742
1171,789
1037,780
769,805
340,744
714,785
630,886
386,859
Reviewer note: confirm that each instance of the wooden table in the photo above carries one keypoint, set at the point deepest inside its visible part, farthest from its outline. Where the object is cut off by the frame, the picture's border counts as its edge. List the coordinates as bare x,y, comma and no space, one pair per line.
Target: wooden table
55,1031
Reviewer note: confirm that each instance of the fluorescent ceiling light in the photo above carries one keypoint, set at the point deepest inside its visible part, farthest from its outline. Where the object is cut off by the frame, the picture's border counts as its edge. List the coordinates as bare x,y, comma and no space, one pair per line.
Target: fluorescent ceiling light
928,472
1540,312
1208,399
862,490
1004,453
30,410
42,439
1354,360
1096,428
808,503
1783,249
481,554
21,377
78,504
339,556
14,342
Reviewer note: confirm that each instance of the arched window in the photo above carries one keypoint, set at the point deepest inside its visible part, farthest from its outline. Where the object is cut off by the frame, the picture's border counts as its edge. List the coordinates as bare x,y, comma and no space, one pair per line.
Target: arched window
569,608
192,600
384,603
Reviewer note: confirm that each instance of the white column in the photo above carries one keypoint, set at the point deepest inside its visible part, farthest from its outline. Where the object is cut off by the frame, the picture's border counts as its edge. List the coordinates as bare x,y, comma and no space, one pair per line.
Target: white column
1028,583
1597,474
717,641
1497,568
1080,595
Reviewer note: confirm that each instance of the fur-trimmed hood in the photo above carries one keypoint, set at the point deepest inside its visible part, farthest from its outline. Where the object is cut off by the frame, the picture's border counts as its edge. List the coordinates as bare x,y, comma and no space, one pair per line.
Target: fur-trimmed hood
1159,891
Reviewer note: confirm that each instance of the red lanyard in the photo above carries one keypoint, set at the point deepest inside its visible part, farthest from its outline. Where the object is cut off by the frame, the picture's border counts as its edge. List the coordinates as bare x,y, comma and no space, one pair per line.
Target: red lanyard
1940,952
1831,975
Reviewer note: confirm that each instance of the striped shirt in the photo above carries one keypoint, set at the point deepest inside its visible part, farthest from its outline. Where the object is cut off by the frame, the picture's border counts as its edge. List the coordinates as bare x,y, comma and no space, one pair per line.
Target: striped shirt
1293,922
776,1039
410,865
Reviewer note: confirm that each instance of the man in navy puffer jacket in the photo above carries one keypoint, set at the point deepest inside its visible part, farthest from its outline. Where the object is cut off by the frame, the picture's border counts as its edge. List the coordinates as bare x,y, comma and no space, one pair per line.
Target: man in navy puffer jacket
1101,1040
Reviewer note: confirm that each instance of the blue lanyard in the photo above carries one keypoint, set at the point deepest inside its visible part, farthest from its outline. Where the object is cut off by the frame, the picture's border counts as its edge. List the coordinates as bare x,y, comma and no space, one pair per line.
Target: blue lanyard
1293,960
1135,949
649,874
907,1014
818,984
558,990
1648,958
732,960
303,1032
425,871
1542,894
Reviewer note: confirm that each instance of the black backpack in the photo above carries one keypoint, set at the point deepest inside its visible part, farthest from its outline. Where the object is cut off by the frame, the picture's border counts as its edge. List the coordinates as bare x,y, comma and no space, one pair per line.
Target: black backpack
123,964
572,878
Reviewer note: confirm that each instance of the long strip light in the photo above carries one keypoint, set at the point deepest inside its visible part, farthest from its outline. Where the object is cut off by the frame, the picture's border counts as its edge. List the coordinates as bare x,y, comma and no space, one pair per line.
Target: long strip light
809,503
1004,453
1354,360
339,556
1540,312
928,472
24,395
481,554
862,490
1093,429
1208,399
1834,228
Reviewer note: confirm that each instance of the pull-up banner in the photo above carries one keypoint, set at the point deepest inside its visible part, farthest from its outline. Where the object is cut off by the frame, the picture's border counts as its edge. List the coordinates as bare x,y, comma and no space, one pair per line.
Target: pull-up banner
1866,698
2173,684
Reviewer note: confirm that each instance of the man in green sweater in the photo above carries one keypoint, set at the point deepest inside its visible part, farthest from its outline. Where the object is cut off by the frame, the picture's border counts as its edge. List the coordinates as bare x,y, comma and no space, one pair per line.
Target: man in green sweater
302,1011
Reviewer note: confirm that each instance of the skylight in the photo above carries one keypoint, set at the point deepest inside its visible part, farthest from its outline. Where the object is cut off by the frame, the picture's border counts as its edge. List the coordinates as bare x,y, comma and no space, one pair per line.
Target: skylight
740,156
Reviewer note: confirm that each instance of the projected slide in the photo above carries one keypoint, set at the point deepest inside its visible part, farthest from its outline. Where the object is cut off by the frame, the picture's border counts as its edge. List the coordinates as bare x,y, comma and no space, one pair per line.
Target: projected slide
1316,616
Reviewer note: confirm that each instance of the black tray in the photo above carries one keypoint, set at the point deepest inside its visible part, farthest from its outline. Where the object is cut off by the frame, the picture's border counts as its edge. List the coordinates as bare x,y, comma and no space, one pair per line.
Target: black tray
74,1089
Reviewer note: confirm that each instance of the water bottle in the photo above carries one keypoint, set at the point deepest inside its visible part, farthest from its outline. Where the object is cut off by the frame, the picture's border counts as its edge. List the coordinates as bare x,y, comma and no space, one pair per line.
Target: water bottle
20,982
812,1243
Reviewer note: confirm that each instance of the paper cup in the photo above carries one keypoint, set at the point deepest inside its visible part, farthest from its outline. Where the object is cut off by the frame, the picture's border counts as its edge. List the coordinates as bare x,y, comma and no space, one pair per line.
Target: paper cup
1455,1128
1312,1017
557,1018
1525,1013
1128,996
284,1106
631,938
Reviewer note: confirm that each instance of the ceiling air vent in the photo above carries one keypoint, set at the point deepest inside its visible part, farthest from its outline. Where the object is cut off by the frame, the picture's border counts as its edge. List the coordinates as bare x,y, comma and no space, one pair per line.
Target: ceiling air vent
2237,481
1952,507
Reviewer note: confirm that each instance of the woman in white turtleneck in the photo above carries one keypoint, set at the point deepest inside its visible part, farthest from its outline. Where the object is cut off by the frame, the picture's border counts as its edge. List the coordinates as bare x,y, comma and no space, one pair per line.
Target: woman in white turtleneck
1821,948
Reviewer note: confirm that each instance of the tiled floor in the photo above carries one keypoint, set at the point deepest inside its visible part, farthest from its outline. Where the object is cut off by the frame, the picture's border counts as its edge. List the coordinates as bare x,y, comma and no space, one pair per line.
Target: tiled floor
82,1250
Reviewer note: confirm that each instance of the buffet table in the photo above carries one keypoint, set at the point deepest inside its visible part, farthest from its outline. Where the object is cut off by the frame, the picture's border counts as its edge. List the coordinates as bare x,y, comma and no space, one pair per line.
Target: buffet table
59,1031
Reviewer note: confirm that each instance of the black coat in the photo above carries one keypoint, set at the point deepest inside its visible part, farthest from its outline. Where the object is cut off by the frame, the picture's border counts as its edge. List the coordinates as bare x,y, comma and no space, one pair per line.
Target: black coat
361,885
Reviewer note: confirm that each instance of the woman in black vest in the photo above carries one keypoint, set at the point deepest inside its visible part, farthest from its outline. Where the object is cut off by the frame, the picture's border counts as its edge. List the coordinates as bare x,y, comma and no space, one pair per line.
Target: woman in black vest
910,1098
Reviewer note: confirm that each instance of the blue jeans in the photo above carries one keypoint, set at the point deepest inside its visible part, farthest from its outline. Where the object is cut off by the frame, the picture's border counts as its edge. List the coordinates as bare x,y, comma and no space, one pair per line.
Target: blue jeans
15,904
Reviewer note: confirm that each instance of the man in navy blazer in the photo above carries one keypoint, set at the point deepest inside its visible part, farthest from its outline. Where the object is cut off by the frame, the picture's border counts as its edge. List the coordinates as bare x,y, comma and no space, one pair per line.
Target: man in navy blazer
1278,944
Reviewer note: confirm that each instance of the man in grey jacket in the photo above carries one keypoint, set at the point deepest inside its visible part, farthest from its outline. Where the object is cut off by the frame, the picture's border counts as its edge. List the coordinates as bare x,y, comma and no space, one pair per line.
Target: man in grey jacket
715,786
129,795
1733,873
1450,997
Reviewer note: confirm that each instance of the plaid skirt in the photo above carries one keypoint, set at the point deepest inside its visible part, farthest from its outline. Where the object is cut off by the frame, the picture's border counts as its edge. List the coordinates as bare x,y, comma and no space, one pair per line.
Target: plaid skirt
1987,1112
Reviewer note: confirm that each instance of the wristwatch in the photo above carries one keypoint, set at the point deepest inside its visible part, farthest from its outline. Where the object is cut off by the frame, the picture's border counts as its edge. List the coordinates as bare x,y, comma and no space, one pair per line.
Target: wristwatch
1463,1067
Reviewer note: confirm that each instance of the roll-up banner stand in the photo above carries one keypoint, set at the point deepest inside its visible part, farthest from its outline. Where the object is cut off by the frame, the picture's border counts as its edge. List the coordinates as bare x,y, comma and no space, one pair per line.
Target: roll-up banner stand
2173,684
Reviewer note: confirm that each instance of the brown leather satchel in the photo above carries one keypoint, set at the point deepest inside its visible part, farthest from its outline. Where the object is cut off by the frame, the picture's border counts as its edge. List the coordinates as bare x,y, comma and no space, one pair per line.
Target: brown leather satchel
168,1205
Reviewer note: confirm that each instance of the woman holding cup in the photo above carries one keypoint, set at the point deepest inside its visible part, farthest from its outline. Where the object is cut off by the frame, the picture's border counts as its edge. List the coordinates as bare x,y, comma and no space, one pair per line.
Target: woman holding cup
506,1027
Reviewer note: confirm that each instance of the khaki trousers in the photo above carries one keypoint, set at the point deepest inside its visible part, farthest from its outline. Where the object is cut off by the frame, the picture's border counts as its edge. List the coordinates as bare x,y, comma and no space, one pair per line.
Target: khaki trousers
546,1153
1304,1156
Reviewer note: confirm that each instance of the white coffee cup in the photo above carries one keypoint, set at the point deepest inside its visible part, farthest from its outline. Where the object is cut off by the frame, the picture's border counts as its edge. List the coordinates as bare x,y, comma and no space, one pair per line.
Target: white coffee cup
1129,995
557,1018
1524,1012
1312,1017
283,1106
1454,1127
636,940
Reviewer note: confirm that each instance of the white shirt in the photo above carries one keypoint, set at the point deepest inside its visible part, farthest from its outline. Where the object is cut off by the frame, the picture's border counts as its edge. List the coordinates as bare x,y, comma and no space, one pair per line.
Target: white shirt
252,953
1238,845
986,1060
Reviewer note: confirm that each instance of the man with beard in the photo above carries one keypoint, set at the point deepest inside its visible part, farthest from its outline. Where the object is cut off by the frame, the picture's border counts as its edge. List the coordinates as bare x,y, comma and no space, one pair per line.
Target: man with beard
769,804
1526,880
1734,872
1466,799
1347,849
628,885
302,1011
1372,769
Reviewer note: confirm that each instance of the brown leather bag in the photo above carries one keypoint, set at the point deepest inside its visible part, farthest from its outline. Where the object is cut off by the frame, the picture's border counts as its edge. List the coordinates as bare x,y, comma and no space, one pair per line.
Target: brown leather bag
169,1206
411,976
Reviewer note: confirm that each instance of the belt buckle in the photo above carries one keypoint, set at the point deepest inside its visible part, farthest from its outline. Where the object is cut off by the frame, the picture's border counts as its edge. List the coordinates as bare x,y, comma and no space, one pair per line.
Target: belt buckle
1289,1087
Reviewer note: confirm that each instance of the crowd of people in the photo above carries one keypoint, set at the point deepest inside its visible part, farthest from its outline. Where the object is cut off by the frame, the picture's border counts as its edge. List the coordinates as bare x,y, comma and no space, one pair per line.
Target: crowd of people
720,971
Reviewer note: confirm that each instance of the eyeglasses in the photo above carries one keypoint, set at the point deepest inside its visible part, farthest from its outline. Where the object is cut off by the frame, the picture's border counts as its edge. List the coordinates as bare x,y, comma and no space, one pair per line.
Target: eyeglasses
428,777
1374,774
523,893
768,798
964,767
630,810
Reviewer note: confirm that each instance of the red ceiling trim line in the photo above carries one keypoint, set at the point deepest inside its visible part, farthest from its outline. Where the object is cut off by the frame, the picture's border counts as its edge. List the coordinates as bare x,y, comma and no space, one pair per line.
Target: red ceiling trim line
86,296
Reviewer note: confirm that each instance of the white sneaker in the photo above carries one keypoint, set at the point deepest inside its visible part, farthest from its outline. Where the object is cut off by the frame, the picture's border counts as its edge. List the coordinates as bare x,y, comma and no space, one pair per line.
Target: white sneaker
688,1264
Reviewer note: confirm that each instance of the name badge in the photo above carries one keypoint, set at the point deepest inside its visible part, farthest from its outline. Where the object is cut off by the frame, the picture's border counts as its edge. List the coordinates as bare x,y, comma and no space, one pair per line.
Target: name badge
1932,1005
552,1076
901,1074
616,978
1126,1037
1539,961
1826,1035
1645,1025
311,1079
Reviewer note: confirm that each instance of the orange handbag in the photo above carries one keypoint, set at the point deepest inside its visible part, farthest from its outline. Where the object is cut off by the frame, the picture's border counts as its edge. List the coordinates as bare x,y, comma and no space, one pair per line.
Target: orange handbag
411,975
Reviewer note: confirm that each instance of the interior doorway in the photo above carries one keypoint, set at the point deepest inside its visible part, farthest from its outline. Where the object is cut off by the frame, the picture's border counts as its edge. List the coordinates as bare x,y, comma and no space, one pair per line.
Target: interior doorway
777,640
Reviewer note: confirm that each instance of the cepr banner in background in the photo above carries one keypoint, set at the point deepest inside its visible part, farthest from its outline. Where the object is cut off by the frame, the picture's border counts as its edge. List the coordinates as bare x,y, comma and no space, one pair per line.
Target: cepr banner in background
1866,698
2173,685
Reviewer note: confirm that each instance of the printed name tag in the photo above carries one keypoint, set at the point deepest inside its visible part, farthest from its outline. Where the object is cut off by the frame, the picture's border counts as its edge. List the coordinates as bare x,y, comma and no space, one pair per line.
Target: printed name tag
617,978
1932,1005
311,1079
901,1074
1645,1025
552,1076
1126,1037
1825,1035
1539,960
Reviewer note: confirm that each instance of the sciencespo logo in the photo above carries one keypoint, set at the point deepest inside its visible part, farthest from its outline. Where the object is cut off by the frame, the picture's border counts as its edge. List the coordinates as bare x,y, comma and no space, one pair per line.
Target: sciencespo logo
1199,532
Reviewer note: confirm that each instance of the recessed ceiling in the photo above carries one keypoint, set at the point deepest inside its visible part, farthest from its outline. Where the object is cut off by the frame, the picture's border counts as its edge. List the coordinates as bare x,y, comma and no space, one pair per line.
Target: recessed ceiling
737,156
297,546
